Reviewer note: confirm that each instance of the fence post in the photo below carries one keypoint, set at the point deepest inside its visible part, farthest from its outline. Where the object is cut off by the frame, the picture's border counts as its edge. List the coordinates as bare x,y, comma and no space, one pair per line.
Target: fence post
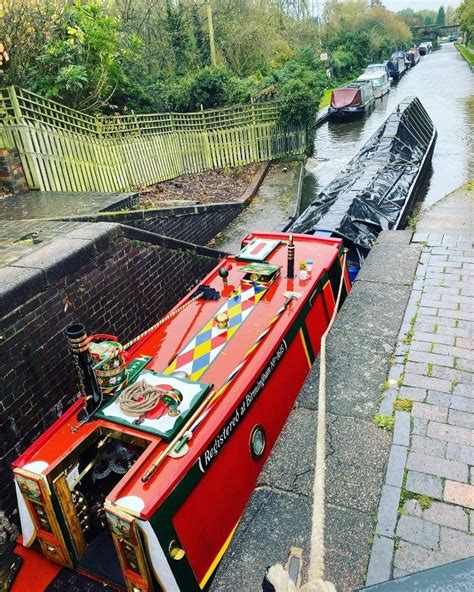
22,140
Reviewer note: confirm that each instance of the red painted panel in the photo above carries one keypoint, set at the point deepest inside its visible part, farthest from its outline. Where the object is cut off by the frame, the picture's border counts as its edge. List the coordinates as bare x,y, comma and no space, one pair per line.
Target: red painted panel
209,514
36,572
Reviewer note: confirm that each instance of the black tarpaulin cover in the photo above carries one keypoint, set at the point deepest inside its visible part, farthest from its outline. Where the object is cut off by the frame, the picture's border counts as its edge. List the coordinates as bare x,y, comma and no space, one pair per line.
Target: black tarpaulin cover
372,192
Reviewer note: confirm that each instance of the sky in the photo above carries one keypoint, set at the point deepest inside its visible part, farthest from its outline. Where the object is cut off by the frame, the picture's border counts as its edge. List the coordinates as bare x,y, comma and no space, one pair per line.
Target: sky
396,5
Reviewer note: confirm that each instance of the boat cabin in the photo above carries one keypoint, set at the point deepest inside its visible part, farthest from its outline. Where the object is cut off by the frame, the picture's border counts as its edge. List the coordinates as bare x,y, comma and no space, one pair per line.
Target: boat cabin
356,98
396,65
379,81
413,56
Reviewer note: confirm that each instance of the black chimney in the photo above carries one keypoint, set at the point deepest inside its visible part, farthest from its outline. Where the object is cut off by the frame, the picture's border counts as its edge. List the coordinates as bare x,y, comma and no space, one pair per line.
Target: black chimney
77,339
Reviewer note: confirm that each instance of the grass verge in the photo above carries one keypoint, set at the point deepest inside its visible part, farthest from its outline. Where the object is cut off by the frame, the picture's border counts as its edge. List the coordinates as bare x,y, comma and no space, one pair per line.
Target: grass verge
466,53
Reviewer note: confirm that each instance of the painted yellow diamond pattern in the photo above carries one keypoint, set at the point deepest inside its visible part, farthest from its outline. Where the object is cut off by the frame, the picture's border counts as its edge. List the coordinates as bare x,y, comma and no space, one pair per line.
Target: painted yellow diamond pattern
196,357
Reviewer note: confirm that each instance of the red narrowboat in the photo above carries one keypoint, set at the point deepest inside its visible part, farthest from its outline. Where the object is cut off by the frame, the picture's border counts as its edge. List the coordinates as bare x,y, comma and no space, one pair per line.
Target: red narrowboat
140,485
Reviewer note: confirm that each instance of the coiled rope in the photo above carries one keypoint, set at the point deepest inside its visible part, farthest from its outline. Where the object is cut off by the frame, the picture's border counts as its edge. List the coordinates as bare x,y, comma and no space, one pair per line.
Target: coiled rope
277,575
139,398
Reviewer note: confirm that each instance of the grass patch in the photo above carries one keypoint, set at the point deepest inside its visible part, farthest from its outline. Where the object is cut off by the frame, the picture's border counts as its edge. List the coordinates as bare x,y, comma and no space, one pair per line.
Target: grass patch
466,53
429,371
326,99
425,501
454,384
402,405
386,422
409,336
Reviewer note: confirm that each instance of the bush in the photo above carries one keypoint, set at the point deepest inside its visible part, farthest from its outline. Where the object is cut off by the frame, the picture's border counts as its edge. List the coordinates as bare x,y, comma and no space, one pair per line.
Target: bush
211,87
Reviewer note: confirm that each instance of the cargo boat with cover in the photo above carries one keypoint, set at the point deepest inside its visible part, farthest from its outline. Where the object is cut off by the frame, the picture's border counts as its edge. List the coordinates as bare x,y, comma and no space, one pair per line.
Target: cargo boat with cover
141,482
378,188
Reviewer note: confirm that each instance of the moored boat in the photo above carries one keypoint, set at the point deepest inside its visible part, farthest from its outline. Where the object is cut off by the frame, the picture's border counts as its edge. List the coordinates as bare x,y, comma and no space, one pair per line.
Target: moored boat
352,100
379,81
396,65
378,188
413,56
142,488
425,48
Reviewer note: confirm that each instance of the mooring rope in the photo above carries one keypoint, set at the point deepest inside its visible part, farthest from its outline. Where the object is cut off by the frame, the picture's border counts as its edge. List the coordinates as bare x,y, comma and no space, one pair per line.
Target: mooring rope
277,575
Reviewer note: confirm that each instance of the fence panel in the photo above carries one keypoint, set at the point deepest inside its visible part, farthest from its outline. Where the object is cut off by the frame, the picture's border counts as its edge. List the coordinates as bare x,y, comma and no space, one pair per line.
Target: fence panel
65,150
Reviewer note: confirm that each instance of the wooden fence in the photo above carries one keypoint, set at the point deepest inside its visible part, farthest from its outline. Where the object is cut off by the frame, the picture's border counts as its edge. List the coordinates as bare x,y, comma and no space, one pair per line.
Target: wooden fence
65,150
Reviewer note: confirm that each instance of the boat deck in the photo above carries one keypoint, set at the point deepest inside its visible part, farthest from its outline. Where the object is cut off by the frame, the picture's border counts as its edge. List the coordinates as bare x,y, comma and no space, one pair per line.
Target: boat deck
189,340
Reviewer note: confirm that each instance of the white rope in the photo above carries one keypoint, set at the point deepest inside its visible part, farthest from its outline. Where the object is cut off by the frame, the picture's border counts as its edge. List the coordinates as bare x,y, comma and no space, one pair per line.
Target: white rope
277,575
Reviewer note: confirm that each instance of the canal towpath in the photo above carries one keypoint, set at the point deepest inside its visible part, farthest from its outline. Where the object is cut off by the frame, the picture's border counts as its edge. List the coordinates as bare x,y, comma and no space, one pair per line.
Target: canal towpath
426,512
375,525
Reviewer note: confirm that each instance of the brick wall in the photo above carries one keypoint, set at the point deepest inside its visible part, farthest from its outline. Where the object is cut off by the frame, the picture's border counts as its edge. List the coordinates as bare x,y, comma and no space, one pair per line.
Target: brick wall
12,176
195,224
198,226
110,283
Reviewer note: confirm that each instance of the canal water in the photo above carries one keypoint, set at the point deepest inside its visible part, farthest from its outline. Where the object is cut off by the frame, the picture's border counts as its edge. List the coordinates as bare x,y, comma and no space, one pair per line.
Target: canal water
444,83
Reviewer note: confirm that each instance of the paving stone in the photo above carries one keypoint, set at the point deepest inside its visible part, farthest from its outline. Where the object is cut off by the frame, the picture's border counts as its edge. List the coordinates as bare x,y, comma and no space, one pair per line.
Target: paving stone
459,493
460,452
459,376
431,358
466,343
419,426
380,561
430,412
439,304
440,399
460,418
416,530
412,558
396,465
388,510
465,390
430,446
462,403
440,513
440,467
430,337
424,484
427,382
414,394
388,398
450,433
401,432
456,543
466,365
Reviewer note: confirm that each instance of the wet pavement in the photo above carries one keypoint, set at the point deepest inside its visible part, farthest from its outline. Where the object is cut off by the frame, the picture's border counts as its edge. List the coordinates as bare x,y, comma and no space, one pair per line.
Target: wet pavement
445,86
56,204
273,203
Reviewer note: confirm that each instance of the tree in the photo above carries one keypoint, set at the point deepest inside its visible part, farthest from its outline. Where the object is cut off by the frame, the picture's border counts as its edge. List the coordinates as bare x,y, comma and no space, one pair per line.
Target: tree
465,14
441,16
82,65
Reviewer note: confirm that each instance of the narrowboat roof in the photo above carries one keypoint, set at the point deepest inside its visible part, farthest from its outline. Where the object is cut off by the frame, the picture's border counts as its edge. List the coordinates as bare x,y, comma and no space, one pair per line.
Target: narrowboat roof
183,332
374,75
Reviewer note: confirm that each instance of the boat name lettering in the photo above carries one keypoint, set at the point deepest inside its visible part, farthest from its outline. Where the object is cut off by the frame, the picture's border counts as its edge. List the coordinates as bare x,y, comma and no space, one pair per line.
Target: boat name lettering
213,450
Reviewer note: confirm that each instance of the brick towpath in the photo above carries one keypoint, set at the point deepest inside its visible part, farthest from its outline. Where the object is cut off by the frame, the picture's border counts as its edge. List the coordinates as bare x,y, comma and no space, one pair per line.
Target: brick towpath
428,518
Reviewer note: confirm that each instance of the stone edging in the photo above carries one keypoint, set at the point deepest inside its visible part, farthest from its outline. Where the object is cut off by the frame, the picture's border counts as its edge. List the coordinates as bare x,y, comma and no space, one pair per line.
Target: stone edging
64,255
